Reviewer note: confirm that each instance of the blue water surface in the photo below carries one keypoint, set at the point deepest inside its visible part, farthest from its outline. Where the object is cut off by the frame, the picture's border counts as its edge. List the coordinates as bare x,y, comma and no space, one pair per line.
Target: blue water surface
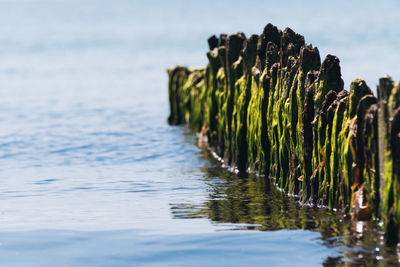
90,172
139,248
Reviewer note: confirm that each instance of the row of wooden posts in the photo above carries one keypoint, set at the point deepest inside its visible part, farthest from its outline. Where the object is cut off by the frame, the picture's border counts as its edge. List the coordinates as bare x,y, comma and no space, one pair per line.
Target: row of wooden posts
266,103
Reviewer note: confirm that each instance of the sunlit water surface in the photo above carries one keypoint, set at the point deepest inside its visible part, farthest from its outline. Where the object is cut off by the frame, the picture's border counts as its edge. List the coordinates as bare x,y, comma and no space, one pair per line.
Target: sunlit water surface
90,172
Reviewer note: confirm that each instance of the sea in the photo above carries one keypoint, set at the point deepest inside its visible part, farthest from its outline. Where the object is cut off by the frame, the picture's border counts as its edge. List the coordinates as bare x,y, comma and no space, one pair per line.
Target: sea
91,174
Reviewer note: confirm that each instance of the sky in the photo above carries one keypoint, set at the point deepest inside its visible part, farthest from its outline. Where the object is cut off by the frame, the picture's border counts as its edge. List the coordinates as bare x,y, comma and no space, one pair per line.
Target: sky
363,34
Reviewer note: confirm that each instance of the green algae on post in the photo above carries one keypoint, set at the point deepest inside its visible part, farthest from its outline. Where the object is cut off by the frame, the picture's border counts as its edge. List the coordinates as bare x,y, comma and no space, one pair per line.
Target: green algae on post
268,104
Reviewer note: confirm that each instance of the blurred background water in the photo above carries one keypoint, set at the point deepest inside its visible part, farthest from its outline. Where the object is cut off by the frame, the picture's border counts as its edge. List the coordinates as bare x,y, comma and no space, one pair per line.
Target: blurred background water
90,172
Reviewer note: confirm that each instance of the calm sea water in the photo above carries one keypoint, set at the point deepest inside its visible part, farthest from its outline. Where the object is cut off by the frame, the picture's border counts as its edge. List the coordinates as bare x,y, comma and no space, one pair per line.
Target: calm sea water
90,172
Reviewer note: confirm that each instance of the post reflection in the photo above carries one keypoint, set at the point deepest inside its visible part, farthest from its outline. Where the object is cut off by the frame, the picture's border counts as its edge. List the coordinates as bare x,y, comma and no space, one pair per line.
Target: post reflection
254,203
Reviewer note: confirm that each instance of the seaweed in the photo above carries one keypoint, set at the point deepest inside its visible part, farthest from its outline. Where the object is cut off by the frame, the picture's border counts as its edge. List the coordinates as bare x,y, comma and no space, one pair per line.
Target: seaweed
268,105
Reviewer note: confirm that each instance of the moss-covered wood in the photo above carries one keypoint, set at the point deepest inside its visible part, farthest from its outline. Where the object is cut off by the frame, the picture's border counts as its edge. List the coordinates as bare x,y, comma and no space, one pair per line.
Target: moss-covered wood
268,104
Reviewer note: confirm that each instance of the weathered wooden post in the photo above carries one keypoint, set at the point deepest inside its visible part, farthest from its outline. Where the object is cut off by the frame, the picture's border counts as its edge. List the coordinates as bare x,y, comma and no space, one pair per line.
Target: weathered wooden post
266,103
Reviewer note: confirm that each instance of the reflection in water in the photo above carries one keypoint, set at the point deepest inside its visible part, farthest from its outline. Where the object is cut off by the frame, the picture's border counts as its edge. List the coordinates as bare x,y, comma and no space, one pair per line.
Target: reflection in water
254,203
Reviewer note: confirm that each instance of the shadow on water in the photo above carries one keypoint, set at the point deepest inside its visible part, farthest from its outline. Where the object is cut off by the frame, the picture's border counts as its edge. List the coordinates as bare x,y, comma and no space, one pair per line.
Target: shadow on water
250,202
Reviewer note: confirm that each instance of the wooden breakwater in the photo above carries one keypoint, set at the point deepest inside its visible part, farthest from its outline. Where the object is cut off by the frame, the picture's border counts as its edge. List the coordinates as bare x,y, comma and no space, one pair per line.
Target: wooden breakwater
266,103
